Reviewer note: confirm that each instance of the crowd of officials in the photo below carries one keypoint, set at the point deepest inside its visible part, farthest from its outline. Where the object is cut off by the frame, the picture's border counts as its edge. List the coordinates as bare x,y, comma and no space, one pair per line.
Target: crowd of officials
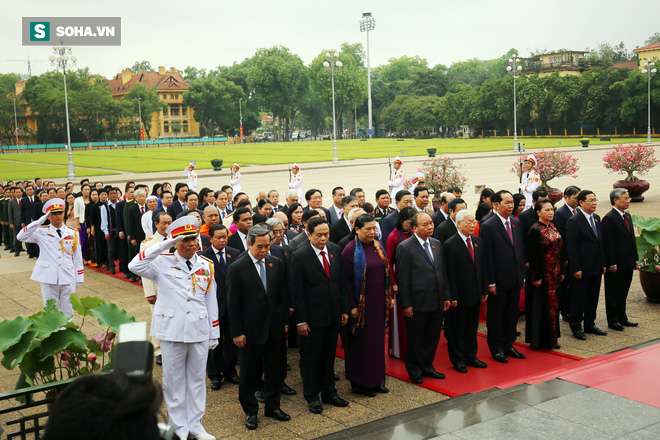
233,281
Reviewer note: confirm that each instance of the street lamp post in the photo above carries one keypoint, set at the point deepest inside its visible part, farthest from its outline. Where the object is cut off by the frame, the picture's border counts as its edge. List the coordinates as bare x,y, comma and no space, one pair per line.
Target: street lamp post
514,68
140,116
649,71
15,124
240,112
61,58
367,23
331,65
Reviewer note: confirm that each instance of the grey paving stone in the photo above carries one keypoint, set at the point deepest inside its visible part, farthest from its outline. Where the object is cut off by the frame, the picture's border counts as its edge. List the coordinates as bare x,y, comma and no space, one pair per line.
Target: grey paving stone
530,424
447,437
542,392
642,434
603,411
654,428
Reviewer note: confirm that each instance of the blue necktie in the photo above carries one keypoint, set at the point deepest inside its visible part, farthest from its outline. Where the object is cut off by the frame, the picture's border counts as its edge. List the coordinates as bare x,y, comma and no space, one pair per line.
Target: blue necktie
593,225
428,251
221,263
262,273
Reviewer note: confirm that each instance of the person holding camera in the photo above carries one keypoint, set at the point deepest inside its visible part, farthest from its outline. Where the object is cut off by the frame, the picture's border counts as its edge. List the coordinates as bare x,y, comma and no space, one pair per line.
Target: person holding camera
185,319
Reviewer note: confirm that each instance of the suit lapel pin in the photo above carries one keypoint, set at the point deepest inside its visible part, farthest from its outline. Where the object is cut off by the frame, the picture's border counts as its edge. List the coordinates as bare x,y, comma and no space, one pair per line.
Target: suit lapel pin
270,264
433,247
228,256
475,245
332,256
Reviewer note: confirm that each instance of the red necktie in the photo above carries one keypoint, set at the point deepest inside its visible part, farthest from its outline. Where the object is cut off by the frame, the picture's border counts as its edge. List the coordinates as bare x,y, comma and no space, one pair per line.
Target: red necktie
625,220
508,231
326,264
573,211
470,248
142,209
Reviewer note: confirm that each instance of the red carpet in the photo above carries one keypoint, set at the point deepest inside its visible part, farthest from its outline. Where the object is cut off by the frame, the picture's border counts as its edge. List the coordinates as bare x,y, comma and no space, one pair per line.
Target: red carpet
627,373
118,274
497,375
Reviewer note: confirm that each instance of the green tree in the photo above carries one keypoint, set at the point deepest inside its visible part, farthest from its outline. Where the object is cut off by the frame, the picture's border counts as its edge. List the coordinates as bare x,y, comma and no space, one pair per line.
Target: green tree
145,100
655,38
454,108
633,110
141,66
216,102
600,106
606,54
191,73
411,113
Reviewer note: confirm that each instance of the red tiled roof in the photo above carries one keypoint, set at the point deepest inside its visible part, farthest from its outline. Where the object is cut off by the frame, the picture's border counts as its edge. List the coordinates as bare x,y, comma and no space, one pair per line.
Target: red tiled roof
649,47
168,81
625,65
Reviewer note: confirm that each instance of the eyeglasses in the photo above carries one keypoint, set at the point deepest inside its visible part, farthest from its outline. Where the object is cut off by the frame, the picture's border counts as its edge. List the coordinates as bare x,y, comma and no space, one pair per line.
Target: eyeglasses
591,201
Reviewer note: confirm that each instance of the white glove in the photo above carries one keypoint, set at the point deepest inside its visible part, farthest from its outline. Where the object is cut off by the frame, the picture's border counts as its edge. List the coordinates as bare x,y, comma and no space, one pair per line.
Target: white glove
43,219
213,343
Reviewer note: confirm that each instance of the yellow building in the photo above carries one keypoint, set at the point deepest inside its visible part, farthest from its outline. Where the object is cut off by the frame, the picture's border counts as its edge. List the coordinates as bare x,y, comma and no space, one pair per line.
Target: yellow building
28,136
648,53
567,62
177,120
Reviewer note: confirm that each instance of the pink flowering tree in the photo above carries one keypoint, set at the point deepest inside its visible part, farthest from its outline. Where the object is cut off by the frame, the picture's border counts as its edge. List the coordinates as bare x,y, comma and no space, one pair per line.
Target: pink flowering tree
630,158
440,174
550,164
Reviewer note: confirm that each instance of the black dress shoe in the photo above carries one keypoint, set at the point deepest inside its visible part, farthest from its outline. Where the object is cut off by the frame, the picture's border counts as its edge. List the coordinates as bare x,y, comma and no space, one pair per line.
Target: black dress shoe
627,323
251,422
133,279
234,379
382,389
337,378
336,401
434,375
476,363
566,317
159,360
259,395
315,407
363,391
461,368
287,390
216,383
512,352
277,414
288,367
579,334
557,347
595,331
416,379
616,326
126,276
501,357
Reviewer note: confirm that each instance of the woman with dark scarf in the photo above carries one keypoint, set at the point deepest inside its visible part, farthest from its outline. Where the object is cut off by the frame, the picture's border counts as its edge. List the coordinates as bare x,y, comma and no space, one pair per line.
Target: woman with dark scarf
369,285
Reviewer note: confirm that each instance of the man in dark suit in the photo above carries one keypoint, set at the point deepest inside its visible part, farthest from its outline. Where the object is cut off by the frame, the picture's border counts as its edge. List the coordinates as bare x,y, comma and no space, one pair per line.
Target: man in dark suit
27,216
243,219
291,197
223,359
442,213
447,229
314,198
505,258
14,218
568,209
403,198
423,296
321,308
274,199
586,265
529,217
468,283
336,210
179,204
135,213
342,226
258,311
620,257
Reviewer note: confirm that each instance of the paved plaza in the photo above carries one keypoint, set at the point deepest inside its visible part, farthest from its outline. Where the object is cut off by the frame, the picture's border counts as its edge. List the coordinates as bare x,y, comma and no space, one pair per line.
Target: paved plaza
553,409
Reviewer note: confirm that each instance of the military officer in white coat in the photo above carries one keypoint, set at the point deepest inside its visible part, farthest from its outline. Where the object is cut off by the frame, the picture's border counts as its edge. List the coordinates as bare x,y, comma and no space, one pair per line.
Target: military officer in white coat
191,174
398,178
530,180
297,181
185,320
236,179
59,267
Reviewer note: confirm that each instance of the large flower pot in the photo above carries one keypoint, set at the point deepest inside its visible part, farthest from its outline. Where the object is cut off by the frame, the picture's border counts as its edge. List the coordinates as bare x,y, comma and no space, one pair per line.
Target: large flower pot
555,195
650,282
635,188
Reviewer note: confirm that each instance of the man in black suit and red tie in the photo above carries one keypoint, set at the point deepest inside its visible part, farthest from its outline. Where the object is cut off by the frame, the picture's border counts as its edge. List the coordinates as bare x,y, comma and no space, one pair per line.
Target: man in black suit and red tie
567,210
586,265
468,284
258,308
321,308
423,295
223,359
620,257
502,239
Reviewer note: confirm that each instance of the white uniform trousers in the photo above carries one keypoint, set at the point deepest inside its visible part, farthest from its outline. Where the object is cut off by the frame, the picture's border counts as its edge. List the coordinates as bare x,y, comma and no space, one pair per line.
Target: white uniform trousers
184,385
154,341
61,295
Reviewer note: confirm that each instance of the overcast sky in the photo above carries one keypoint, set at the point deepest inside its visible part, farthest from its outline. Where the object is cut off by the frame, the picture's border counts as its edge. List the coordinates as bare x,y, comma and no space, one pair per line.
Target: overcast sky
208,33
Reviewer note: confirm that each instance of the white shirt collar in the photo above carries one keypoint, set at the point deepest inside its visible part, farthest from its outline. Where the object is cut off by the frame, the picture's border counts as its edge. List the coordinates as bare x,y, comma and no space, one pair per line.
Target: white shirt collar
421,242
502,219
621,213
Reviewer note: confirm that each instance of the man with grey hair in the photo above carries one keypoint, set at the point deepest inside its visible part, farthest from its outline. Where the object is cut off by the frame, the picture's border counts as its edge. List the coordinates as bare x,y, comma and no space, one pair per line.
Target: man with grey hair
279,215
291,197
468,283
274,199
342,227
621,259
352,215
134,225
442,213
258,313
260,195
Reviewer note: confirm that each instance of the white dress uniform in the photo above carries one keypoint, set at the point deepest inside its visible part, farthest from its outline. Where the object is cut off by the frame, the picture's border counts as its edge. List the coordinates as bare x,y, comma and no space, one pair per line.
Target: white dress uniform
296,183
530,181
149,286
192,176
236,181
398,180
185,319
415,180
59,267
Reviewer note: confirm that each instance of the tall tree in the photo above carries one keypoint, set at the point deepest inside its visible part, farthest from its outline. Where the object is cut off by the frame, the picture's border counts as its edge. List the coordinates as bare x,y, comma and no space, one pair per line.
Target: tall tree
141,66
216,103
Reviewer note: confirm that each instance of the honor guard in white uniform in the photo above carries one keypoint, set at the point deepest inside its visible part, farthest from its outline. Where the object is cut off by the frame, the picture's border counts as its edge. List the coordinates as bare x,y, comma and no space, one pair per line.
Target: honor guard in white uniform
398,178
59,267
236,179
185,319
191,175
297,181
530,180
416,180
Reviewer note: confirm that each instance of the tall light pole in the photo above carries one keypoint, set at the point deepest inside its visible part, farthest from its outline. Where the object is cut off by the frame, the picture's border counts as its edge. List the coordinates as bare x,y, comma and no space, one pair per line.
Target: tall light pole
15,124
331,65
240,112
61,58
514,68
367,23
140,116
649,71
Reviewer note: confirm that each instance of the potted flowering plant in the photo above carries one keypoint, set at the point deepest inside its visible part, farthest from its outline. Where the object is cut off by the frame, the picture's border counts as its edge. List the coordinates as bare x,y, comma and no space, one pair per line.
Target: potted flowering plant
440,174
47,347
628,159
648,249
550,164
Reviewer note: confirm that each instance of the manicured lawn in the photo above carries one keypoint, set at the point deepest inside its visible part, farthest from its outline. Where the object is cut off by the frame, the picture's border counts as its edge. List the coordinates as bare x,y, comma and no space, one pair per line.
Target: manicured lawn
176,158
14,171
